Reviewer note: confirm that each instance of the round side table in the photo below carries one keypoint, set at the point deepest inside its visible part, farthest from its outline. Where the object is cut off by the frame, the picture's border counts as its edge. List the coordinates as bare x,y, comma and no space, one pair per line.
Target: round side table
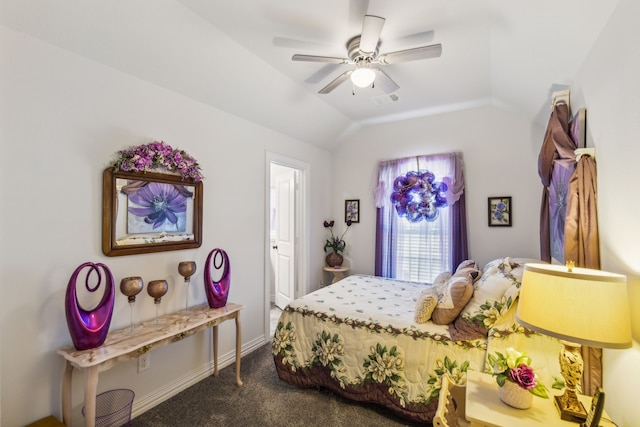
337,272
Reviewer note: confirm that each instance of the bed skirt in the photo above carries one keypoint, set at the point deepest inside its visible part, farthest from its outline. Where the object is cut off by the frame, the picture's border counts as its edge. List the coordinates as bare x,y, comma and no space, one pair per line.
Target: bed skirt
320,376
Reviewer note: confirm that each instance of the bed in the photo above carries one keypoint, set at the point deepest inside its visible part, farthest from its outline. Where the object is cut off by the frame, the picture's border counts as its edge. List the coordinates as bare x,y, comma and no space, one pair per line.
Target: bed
366,337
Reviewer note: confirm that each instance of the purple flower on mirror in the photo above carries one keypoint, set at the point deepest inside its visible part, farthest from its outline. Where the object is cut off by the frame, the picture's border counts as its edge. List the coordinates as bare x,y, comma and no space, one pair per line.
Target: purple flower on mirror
162,206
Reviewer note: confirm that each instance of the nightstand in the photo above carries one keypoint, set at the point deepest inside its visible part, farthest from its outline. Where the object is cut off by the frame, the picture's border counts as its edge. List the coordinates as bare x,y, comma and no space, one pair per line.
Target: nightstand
485,409
337,273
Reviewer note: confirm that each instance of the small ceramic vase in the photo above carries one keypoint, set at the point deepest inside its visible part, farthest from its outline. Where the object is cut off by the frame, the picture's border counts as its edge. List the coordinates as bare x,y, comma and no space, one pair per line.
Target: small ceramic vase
515,396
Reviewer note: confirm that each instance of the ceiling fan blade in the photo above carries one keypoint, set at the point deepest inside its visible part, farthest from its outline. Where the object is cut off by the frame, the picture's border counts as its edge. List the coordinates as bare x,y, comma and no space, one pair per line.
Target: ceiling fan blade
371,29
424,52
336,82
313,58
322,73
384,82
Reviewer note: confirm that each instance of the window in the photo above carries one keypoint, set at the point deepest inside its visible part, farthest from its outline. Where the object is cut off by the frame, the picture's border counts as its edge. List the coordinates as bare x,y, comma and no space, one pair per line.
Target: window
419,251
422,249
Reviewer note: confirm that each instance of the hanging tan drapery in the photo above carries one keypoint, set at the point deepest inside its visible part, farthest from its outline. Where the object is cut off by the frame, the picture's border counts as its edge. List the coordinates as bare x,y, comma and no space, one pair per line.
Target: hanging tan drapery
582,245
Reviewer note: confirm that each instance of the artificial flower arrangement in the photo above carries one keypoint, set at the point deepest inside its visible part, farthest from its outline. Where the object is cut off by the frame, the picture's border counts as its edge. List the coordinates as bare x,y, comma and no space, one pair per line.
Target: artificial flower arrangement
158,155
337,244
515,367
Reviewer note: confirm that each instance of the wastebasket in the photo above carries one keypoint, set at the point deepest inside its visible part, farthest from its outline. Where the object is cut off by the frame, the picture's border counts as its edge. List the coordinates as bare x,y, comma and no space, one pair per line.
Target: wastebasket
113,408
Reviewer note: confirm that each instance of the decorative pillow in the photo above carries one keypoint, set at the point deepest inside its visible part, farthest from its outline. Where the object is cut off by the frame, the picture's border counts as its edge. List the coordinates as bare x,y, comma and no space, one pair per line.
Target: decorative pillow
494,293
453,298
440,282
469,264
425,305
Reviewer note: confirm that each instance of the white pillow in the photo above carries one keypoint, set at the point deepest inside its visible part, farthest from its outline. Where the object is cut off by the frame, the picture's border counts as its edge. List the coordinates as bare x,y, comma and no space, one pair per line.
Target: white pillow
494,292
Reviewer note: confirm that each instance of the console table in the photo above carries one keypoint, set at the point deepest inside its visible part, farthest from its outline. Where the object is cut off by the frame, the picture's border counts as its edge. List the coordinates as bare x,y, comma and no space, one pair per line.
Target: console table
123,345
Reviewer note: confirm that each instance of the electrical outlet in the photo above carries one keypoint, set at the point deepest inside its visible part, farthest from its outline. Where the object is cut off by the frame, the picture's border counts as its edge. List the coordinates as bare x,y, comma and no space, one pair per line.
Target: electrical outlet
144,362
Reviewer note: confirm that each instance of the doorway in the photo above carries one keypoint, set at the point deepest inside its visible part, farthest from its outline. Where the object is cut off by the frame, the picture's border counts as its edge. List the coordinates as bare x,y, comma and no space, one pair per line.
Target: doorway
286,266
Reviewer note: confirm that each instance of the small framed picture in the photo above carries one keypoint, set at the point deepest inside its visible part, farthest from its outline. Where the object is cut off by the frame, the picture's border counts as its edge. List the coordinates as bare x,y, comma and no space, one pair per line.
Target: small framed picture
352,210
500,212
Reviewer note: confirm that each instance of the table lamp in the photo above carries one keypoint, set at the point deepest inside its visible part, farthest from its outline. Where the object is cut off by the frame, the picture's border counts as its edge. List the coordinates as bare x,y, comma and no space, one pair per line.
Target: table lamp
578,306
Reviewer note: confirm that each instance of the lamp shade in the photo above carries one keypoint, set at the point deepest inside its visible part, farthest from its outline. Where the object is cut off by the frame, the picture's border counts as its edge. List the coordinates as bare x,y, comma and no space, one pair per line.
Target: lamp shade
583,306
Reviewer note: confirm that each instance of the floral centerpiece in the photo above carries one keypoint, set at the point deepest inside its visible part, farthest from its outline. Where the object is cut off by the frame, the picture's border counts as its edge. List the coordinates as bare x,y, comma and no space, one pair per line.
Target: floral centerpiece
513,371
158,155
337,245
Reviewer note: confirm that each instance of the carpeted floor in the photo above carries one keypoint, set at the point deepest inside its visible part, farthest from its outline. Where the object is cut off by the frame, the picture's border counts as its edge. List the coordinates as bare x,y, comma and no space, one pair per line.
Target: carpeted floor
263,401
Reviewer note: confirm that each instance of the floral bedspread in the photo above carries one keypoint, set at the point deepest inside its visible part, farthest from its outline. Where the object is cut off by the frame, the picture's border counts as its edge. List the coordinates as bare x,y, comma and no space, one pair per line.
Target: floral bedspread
357,338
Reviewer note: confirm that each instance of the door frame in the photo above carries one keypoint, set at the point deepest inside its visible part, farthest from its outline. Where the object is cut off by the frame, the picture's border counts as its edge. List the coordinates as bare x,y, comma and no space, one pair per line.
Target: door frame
302,230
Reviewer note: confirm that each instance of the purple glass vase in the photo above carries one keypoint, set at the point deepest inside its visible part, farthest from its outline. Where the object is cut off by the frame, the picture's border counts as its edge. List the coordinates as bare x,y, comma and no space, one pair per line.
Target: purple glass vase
217,291
89,328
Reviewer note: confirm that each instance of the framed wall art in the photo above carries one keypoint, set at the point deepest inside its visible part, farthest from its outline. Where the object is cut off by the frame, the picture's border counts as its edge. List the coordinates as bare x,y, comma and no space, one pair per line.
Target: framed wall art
149,212
352,210
500,211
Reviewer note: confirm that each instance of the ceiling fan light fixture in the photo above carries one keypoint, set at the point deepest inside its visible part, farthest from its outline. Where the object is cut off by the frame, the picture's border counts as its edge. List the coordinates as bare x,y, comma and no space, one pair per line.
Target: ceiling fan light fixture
362,51
363,76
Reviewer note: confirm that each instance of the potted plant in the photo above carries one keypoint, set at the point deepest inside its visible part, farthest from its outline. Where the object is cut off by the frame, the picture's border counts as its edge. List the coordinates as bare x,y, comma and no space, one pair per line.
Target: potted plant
517,381
336,244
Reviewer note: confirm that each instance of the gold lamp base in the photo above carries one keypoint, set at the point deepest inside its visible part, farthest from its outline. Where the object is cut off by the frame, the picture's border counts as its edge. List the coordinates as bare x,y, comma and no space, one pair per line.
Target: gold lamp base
571,367
575,413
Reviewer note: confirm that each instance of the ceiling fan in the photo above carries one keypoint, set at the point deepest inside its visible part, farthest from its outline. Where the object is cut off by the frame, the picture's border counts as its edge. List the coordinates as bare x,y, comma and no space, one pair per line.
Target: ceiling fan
362,51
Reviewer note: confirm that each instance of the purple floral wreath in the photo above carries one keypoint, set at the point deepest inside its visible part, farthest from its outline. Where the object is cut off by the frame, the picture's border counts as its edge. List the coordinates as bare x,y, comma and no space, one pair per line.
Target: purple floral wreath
416,197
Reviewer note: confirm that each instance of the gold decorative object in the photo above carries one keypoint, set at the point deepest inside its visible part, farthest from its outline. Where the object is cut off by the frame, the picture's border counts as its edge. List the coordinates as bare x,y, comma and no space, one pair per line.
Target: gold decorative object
157,289
579,306
186,270
131,286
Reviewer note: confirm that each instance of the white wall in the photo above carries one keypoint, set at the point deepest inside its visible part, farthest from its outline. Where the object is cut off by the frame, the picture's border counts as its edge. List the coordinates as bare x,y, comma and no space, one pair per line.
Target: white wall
609,88
500,152
63,119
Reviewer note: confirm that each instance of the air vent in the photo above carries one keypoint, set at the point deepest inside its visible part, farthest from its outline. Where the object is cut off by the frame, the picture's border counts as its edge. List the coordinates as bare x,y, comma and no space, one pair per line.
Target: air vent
385,99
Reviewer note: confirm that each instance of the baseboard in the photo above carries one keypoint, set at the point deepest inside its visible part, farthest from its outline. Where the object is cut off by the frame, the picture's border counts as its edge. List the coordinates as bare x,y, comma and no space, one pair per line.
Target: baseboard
142,405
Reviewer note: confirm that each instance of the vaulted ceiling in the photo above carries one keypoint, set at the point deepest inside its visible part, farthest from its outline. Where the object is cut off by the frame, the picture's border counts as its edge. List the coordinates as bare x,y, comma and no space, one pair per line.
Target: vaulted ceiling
236,55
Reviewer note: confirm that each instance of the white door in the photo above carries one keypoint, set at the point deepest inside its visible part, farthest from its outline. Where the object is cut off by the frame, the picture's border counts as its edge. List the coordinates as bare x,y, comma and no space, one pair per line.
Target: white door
285,271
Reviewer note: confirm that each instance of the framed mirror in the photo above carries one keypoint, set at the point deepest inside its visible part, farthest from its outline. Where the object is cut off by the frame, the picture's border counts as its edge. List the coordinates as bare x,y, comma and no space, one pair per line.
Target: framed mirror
149,212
